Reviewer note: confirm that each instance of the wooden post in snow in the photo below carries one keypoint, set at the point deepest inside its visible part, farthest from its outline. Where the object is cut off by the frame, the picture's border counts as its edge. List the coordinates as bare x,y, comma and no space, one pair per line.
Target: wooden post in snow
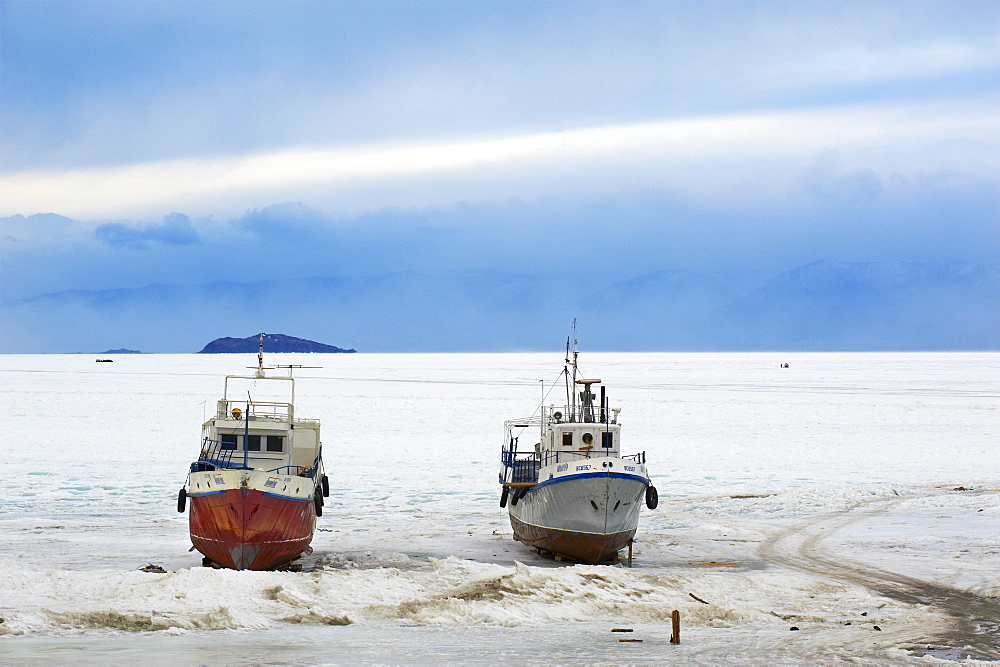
675,621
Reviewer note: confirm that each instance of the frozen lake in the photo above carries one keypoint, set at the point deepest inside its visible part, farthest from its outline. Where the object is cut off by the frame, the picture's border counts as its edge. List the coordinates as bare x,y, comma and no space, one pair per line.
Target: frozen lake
855,497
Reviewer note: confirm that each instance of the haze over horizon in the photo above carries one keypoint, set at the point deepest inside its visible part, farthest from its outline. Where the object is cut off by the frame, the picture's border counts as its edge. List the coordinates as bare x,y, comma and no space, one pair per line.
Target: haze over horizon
459,176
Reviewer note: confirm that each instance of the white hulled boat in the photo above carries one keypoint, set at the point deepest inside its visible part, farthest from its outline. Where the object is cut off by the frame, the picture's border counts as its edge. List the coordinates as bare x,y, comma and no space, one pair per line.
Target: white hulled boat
258,484
573,493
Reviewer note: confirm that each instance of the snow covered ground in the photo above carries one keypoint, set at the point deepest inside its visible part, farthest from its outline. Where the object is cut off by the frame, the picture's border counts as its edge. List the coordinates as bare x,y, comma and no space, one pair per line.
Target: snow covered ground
855,497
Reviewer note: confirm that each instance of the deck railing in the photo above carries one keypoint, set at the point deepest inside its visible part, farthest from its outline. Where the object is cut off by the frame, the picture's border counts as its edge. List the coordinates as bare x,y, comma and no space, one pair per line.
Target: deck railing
218,454
567,415
259,411
593,414
639,458
521,467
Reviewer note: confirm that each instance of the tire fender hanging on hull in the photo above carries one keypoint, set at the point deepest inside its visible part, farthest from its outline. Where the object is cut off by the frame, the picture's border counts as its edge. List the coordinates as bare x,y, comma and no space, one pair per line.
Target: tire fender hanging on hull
652,497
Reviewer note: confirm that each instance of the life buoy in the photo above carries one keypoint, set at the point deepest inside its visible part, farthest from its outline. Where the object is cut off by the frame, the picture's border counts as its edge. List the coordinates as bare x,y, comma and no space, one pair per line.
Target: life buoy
182,500
503,497
652,497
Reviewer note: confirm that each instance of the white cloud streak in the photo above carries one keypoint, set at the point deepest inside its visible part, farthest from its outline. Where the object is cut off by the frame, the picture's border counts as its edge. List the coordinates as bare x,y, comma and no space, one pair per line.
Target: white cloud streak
657,151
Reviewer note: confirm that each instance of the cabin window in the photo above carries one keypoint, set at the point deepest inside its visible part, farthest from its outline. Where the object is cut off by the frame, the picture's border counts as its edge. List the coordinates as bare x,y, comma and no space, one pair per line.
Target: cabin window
253,444
607,439
567,438
228,440
275,443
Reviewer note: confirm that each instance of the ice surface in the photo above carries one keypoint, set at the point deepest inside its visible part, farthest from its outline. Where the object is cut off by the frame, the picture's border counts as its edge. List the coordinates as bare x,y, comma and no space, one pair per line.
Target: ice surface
827,496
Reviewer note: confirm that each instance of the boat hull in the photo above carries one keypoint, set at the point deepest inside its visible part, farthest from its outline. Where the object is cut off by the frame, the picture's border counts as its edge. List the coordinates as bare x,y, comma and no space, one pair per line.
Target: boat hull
237,526
588,517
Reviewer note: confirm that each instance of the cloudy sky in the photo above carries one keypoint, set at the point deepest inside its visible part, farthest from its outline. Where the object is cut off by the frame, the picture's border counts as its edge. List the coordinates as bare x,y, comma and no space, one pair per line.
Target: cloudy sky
183,143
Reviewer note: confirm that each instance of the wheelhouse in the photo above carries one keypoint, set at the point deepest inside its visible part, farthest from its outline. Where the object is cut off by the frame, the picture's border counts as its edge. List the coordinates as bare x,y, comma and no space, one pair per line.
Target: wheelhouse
261,435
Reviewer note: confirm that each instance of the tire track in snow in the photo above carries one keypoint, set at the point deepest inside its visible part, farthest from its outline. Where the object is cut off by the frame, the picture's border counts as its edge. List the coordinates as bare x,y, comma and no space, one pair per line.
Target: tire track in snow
976,633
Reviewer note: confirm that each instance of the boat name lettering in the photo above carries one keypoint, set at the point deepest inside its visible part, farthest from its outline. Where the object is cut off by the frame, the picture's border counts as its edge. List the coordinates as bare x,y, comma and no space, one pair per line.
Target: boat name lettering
583,467
271,482
219,480
562,467
630,468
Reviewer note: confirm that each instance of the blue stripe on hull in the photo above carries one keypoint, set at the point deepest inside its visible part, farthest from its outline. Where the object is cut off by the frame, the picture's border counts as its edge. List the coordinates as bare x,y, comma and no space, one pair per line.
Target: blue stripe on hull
297,498
585,475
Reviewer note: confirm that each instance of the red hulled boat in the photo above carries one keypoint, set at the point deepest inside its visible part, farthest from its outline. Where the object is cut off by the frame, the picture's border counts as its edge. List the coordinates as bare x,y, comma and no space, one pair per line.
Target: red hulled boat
258,484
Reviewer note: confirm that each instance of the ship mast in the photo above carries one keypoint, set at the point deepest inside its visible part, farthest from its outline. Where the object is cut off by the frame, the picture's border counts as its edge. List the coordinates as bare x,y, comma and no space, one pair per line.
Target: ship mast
260,357
569,395
575,353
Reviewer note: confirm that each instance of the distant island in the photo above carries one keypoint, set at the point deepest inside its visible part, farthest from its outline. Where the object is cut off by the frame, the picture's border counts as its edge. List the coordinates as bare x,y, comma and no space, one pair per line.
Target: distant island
272,343
121,351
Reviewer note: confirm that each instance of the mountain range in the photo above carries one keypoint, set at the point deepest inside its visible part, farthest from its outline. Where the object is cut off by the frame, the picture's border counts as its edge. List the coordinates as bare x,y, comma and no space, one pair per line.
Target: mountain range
826,305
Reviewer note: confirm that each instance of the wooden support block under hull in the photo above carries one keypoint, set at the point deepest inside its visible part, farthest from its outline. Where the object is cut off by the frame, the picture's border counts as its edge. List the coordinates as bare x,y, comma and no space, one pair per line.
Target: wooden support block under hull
245,529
